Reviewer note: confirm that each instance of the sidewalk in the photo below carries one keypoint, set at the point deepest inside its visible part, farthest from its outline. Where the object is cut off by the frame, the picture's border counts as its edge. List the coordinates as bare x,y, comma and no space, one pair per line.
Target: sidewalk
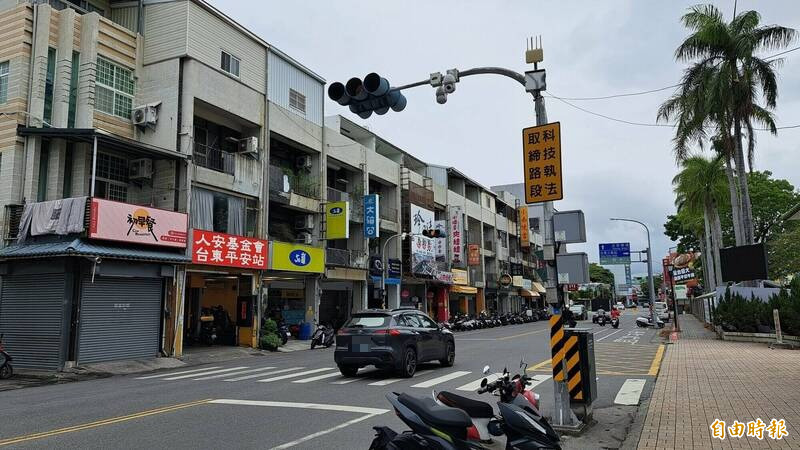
703,379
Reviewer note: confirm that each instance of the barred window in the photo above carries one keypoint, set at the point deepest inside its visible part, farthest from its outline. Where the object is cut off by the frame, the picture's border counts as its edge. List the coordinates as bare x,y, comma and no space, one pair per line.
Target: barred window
4,71
114,90
297,100
112,177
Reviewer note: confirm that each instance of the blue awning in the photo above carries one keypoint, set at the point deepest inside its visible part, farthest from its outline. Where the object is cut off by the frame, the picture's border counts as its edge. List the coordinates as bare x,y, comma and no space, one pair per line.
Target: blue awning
81,247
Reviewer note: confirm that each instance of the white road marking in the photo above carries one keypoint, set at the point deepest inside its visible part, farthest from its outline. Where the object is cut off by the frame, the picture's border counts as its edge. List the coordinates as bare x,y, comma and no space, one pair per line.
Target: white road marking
177,373
323,432
538,379
347,381
261,369
442,379
301,405
293,375
473,386
395,380
609,334
231,369
630,392
318,377
247,377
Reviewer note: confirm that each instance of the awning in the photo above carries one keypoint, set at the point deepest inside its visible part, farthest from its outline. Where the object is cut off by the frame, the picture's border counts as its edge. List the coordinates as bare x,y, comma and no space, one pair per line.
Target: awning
539,288
463,289
80,247
107,140
527,293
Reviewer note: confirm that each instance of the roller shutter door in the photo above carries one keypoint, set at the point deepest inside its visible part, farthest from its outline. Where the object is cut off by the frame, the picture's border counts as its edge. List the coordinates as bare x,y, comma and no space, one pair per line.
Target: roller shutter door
31,319
119,319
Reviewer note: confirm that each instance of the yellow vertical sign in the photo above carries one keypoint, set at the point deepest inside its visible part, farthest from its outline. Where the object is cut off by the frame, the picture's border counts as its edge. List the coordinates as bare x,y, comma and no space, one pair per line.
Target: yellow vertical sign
524,227
542,161
337,216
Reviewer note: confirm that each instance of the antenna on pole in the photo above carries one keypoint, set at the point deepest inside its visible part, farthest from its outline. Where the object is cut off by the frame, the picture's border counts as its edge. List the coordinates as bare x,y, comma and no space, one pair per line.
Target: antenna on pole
534,53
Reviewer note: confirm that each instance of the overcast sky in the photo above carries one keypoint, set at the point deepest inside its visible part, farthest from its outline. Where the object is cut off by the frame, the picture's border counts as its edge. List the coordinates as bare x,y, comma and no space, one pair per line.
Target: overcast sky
591,48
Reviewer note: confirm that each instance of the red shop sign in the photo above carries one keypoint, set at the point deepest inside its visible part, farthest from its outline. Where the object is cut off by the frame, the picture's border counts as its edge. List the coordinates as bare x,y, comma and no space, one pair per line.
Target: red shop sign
220,249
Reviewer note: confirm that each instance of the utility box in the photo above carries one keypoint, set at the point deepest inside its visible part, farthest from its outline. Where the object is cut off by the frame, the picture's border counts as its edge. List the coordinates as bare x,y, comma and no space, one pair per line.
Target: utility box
584,394
569,227
572,268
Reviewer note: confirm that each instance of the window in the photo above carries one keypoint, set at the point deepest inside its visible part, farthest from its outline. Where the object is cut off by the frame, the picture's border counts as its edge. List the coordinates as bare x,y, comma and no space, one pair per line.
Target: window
297,101
114,90
44,161
73,89
67,187
48,85
426,322
112,177
4,71
223,213
230,64
412,320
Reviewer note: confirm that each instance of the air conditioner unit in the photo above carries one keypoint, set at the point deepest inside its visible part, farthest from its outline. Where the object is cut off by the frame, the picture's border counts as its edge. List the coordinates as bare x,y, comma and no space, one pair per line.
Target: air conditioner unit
145,115
304,162
249,145
304,222
140,169
305,238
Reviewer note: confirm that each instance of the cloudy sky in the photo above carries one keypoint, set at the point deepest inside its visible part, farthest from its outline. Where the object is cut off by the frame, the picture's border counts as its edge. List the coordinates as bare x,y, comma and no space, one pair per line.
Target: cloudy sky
591,49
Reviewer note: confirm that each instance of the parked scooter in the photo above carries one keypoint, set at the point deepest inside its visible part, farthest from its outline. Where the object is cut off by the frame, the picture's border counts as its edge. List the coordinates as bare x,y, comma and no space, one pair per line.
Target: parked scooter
644,322
6,369
283,332
208,331
323,336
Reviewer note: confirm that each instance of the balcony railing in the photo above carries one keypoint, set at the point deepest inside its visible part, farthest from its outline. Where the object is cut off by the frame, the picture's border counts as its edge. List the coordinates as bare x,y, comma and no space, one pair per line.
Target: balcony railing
12,217
489,245
335,195
214,158
285,181
337,257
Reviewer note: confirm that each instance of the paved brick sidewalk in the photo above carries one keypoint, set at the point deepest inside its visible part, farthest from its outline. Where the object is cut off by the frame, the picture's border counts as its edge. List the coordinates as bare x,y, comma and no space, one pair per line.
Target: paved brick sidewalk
704,379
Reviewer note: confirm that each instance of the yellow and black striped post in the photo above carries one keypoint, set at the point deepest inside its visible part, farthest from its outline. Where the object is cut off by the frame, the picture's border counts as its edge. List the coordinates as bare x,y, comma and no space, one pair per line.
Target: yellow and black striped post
557,346
573,357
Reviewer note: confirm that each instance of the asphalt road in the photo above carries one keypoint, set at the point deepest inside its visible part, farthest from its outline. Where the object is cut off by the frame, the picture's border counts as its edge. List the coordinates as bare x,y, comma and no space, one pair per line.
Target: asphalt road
295,399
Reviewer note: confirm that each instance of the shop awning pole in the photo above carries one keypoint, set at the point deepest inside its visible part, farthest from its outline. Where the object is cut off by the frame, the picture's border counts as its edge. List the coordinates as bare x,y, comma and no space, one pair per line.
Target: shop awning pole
94,164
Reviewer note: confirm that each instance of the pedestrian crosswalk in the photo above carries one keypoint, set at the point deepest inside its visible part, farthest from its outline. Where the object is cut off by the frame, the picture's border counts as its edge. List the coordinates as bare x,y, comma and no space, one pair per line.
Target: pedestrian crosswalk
439,378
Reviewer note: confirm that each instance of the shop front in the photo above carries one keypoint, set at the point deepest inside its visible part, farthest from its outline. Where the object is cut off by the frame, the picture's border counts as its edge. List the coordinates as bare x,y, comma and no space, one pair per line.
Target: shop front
72,294
463,299
529,298
220,305
292,283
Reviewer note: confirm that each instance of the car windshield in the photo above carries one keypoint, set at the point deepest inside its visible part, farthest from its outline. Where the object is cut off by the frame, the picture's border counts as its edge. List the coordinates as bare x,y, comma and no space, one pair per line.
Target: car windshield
369,321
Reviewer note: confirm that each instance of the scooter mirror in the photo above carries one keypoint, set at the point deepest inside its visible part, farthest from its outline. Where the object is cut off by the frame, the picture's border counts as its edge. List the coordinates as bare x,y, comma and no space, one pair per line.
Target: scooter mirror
486,370
484,382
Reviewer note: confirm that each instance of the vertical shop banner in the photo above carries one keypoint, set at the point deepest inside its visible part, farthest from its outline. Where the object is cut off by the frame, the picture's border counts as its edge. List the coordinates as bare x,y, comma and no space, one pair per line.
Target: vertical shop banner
441,243
474,255
220,249
115,221
456,237
423,251
524,227
371,216
541,157
337,216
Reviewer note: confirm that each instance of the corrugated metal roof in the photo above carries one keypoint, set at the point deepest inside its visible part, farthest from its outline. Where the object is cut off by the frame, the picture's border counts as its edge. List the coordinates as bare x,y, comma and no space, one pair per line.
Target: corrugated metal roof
80,247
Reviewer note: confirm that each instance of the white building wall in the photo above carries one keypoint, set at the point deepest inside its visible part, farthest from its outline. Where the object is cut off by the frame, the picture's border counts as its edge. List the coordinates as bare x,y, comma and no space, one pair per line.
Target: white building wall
283,76
165,31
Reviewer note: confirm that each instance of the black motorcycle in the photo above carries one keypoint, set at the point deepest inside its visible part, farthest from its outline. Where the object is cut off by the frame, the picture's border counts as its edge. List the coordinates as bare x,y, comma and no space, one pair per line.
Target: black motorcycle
283,332
208,330
323,336
6,369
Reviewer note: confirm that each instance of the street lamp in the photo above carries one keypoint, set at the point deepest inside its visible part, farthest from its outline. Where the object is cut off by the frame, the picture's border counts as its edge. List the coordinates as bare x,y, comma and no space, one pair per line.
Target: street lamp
650,283
670,268
402,237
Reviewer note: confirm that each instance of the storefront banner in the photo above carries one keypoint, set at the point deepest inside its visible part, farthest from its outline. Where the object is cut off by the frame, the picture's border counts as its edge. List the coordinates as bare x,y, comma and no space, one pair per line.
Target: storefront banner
371,216
444,277
115,221
474,255
524,231
394,267
220,249
421,219
456,217
422,255
337,216
460,277
441,243
527,284
296,258
516,281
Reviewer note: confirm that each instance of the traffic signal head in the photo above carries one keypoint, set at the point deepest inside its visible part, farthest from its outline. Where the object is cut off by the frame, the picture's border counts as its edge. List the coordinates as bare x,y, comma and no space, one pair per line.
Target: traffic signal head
434,233
374,94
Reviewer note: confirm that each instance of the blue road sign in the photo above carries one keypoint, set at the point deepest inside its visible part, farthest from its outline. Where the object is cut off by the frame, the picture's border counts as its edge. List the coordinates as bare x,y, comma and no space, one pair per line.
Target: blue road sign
615,253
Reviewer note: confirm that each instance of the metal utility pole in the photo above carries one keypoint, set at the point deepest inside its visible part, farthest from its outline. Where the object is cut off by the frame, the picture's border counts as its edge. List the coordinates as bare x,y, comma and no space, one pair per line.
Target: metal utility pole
650,283
402,237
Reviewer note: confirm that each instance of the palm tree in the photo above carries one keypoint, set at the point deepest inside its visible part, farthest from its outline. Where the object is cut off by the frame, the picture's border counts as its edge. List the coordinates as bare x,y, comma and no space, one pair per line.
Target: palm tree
701,188
720,93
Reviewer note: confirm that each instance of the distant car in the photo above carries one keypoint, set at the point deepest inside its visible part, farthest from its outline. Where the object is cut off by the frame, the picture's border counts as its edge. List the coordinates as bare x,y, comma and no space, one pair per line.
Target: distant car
661,310
620,306
578,311
398,339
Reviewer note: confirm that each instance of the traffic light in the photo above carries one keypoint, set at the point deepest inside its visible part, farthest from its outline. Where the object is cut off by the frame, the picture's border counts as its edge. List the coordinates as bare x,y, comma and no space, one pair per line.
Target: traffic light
434,233
365,97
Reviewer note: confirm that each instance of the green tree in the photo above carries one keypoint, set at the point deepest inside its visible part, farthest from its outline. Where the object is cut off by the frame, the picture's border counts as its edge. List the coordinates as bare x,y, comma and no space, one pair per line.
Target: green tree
721,91
783,252
772,198
658,280
599,274
678,229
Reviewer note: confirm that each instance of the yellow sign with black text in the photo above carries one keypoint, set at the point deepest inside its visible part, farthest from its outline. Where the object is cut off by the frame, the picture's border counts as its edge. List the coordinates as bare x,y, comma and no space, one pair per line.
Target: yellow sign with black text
296,258
337,218
542,161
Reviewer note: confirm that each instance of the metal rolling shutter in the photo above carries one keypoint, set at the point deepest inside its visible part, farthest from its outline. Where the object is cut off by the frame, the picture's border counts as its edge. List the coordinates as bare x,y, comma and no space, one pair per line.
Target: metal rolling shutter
31,318
119,319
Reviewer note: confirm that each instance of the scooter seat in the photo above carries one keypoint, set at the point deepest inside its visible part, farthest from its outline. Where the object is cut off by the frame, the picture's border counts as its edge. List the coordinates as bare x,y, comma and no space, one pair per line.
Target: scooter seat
435,414
475,408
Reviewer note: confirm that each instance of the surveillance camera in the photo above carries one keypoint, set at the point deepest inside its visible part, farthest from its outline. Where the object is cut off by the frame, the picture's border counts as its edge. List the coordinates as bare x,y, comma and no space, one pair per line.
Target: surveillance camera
449,83
441,95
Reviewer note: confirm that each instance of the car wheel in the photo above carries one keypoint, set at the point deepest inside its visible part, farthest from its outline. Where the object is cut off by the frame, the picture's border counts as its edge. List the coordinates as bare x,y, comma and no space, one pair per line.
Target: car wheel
6,371
409,366
450,356
348,371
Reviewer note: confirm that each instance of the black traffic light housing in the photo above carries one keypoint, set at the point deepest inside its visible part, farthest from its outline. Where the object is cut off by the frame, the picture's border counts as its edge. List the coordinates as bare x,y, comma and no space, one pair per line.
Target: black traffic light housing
373,94
435,233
